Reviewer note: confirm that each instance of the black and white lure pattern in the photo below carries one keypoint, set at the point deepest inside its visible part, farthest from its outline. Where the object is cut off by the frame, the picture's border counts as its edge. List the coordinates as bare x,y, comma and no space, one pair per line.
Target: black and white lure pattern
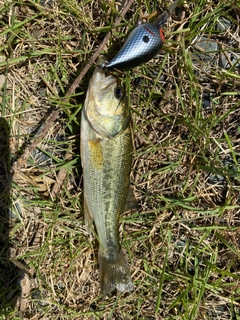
142,43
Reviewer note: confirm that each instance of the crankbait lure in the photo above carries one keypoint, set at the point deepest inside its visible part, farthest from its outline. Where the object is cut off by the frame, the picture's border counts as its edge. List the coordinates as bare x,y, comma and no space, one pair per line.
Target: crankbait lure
142,43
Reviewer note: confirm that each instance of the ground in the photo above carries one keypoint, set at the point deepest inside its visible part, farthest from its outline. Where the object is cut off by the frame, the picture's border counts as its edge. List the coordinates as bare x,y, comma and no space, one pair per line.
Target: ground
182,243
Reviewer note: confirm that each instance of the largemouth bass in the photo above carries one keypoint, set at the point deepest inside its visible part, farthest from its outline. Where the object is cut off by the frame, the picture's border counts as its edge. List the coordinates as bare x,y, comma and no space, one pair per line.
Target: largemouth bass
106,155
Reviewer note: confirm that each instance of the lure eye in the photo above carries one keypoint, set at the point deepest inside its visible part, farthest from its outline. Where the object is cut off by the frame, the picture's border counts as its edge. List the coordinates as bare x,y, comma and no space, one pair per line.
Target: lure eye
145,39
119,92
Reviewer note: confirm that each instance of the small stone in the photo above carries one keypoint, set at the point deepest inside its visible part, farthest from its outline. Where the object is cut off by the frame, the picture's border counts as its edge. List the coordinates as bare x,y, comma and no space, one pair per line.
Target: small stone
223,24
217,179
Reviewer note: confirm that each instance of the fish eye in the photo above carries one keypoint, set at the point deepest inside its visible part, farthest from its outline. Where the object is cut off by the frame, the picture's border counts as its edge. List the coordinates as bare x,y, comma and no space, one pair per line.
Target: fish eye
119,92
145,39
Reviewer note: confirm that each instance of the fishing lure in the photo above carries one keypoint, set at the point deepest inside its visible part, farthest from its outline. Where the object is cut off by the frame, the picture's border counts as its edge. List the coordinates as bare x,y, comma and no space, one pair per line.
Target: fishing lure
142,43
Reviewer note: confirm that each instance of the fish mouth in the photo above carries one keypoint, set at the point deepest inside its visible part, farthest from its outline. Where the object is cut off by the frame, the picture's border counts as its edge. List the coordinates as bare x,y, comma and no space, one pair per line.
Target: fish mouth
104,78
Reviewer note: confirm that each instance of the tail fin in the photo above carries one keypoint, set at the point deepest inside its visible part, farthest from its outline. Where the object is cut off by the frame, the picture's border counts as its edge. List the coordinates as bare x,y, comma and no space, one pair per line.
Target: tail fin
114,274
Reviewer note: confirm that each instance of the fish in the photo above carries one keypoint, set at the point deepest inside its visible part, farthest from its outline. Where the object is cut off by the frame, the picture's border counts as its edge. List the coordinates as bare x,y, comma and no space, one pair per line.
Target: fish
106,157
142,44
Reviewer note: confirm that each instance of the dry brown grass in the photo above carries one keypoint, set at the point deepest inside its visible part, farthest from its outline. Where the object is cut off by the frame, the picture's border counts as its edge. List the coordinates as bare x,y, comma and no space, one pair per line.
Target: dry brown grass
183,242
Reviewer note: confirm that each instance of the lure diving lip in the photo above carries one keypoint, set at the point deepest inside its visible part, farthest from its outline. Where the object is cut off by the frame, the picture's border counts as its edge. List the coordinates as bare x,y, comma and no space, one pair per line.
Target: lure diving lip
142,43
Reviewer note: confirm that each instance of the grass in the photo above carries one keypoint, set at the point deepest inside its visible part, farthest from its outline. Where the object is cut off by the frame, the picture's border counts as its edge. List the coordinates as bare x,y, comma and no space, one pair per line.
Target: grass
183,242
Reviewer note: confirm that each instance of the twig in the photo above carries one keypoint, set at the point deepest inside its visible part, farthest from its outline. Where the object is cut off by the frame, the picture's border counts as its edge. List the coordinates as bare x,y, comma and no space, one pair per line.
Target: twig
38,137
62,172
54,115
100,48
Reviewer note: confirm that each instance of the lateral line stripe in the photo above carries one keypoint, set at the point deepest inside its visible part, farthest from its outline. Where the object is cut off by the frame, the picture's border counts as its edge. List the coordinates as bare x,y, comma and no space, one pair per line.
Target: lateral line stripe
152,33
